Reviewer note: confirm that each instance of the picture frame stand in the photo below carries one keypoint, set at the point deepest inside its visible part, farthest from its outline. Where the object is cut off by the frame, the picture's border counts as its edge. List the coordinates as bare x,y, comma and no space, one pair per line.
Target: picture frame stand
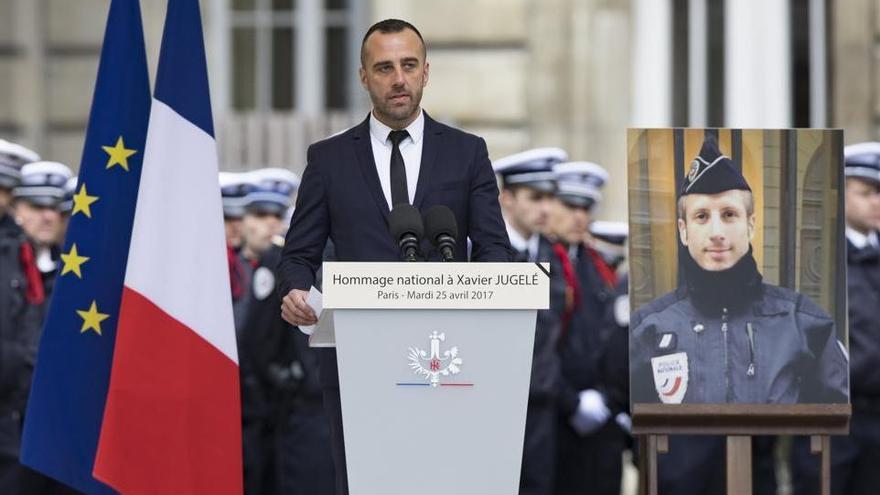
653,423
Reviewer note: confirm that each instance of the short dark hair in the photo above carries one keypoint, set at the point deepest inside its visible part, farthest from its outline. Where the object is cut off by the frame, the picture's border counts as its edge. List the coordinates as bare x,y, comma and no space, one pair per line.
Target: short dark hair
391,26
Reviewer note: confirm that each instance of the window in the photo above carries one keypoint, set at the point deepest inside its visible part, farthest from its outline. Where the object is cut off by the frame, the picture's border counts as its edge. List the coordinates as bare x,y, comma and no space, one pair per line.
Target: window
290,55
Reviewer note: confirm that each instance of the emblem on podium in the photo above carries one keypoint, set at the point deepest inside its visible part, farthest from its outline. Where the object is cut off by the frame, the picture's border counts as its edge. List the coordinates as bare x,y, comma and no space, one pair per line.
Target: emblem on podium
435,363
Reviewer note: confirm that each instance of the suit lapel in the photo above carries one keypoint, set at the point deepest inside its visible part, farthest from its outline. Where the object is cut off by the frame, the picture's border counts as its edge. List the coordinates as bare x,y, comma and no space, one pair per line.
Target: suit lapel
364,152
430,147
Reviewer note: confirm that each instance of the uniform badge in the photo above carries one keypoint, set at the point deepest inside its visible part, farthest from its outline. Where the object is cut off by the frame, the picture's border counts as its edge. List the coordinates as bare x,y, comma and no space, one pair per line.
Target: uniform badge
667,342
671,377
695,169
264,283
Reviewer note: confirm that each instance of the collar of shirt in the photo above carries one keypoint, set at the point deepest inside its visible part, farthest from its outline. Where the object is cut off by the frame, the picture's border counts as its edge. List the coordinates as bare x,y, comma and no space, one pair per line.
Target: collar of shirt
517,241
410,150
380,131
520,243
859,240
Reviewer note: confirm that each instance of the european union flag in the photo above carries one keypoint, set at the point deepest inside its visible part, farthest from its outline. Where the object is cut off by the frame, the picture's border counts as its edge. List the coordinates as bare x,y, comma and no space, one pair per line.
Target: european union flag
66,405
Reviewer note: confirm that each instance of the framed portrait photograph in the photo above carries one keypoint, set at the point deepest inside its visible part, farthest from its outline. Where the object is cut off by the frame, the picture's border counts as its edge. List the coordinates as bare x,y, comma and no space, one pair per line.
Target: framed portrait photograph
737,278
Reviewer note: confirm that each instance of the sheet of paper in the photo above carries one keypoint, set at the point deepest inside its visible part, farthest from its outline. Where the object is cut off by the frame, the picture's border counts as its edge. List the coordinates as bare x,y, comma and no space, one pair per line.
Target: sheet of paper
315,300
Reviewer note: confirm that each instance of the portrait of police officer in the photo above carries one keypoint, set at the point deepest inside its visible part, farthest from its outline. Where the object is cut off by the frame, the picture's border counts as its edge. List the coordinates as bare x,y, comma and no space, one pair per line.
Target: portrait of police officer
724,335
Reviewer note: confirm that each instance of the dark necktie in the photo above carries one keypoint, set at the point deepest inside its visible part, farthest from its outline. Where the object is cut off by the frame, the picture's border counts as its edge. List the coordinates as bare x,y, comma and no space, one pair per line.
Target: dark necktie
399,192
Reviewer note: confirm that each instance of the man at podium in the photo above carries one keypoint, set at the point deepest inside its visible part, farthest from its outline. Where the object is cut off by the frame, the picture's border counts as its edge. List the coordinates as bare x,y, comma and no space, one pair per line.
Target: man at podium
398,154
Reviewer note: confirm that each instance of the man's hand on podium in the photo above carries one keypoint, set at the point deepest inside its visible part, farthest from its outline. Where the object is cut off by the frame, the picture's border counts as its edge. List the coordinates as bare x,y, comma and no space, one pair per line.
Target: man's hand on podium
295,310
591,412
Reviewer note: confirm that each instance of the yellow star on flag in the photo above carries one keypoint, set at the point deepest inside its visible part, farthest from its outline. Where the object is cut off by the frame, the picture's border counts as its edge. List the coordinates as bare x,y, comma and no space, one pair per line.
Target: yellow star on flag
73,262
82,202
92,319
118,154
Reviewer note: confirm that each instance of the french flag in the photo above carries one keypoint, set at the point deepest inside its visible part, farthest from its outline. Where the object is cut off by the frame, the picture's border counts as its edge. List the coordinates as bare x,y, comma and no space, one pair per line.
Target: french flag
172,421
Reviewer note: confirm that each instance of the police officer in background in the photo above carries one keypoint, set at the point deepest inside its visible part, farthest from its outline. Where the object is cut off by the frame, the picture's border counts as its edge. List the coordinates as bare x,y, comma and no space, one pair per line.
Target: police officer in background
269,195
584,461
38,204
233,189
12,158
854,458
609,240
287,433
527,188
27,273
262,221
725,336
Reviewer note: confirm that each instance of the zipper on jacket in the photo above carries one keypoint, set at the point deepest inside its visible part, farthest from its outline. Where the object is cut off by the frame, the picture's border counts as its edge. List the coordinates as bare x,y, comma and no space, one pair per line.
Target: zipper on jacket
752,349
727,382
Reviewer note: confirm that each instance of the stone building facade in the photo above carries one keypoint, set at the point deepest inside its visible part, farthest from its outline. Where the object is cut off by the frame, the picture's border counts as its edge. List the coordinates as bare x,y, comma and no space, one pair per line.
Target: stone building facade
521,73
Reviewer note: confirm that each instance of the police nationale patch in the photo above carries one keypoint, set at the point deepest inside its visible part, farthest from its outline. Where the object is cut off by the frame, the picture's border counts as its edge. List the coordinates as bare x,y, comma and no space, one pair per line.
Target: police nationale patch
264,283
671,377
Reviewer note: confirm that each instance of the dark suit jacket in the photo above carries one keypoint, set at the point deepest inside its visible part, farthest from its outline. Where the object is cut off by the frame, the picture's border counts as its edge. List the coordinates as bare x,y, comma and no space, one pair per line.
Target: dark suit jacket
340,197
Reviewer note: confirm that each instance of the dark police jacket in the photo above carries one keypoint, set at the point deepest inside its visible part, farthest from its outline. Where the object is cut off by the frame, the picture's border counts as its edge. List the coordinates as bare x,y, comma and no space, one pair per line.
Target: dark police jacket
545,377
582,344
20,327
863,281
781,348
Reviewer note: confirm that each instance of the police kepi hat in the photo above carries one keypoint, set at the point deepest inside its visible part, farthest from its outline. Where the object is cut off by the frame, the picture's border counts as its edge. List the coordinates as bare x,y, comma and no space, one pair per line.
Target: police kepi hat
43,183
579,183
863,161
12,158
611,232
531,168
712,173
233,189
272,190
66,205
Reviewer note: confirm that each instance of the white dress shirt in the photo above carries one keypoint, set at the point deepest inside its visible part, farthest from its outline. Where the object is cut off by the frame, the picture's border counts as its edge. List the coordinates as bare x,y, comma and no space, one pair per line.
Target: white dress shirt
859,240
521,244
410,149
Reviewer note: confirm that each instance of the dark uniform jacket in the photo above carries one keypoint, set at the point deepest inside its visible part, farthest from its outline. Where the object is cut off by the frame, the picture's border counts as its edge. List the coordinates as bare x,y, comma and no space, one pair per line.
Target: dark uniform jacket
20,327
781,348
8,226
863,279
545,359
278,356
581,344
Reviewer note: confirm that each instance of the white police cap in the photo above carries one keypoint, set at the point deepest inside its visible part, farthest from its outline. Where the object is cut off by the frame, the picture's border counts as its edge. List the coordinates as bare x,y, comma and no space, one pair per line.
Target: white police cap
272,190
862,160
579,183
279,179
43,183
12,158
69,190
612,232
532,168
233,189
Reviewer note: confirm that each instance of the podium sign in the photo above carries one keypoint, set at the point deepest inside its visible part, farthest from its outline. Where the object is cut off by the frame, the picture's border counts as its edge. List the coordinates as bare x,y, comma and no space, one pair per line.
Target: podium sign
434,382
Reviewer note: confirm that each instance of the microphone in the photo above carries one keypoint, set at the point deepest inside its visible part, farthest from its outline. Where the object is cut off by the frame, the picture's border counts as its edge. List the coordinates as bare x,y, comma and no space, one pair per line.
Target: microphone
405,224
442,230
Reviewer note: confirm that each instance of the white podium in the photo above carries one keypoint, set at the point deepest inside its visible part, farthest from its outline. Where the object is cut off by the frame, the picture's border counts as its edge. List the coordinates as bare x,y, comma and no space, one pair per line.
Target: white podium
434,368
